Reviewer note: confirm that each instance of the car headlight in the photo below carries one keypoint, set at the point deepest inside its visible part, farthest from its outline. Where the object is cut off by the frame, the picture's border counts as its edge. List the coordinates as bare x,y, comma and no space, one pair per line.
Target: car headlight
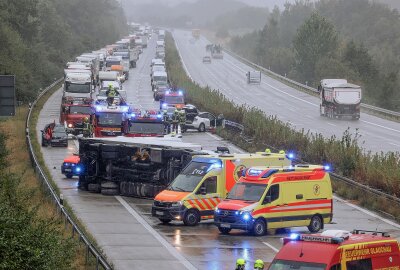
177,204
217,210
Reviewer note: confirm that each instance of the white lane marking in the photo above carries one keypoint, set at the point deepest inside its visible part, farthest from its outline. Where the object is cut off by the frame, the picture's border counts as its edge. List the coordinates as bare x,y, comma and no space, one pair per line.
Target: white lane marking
271,246
231,145
395,144
388,128
365,211
156,235
331,124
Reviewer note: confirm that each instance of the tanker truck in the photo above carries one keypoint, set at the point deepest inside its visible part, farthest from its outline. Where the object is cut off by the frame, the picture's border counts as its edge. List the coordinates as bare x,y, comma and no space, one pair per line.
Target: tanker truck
339,99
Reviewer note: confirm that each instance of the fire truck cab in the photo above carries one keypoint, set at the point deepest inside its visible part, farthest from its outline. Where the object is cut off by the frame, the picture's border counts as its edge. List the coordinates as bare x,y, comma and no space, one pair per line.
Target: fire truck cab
73,111
109,120
144,124
271,198
201,185
338,250
173,99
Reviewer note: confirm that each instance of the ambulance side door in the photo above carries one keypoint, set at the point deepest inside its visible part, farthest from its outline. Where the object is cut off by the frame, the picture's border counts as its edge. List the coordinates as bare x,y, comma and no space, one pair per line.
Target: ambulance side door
207,196
294,196
271,205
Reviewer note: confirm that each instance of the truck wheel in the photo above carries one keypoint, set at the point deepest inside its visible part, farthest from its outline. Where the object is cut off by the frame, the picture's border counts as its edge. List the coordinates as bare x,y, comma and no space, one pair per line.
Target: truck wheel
316,224
259,227
202,127
224,230
69,175
165,220
191,218
110,191
95,188
109,185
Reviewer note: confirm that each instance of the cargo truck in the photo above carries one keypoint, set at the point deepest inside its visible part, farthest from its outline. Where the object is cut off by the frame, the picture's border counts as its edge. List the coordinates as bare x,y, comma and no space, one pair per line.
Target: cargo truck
339,99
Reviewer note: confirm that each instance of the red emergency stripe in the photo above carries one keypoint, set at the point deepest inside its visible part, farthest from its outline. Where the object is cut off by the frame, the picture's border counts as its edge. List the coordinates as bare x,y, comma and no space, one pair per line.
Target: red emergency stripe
206,202
198,203
192,204
280,209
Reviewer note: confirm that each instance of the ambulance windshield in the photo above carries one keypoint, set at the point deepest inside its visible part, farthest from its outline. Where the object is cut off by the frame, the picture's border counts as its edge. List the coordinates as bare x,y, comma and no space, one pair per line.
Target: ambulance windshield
190,177
289,265
247,192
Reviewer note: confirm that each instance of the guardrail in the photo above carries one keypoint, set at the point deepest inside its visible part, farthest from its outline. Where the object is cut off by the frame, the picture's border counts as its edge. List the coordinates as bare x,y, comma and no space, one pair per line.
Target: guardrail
307,88
90,248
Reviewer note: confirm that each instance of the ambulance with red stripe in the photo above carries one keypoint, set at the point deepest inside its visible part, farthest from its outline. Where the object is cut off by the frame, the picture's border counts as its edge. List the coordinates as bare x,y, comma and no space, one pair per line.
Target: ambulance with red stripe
201,185
338,250
272,198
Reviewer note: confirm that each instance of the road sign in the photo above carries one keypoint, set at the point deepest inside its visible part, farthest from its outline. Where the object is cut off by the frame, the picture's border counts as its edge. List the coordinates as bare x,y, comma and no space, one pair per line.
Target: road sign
8,100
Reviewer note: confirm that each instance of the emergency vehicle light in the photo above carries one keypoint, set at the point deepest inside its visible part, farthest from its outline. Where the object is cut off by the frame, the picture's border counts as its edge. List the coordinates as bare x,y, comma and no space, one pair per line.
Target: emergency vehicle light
164,105
327,167
294,236
167,92
159,116
180,93
291,156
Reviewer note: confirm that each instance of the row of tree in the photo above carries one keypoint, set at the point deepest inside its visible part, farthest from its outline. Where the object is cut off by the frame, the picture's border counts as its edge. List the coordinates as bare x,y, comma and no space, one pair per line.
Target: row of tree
358,40
38,37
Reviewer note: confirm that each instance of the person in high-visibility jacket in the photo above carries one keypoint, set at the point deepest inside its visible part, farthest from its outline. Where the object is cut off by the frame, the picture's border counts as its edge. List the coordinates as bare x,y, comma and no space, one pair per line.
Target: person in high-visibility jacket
87,128
240,264
167,122
182,120
259,265
175,121
111,94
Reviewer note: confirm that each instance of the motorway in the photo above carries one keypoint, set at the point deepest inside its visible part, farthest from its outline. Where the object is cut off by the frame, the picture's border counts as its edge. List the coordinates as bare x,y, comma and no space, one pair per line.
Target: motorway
132,239
275,98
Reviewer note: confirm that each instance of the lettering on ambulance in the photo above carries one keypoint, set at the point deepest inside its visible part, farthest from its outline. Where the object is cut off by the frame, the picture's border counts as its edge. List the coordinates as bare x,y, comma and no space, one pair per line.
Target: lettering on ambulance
366,252
296,176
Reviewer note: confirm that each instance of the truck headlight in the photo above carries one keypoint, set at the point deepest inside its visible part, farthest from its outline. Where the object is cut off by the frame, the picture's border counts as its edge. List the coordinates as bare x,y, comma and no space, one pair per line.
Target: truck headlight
70,125
177,204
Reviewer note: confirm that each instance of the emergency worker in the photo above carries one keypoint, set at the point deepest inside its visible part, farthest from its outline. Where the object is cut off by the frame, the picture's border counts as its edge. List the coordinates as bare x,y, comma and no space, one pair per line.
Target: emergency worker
182,120
87,128
175,121
111,94
166,120
240,264
259,265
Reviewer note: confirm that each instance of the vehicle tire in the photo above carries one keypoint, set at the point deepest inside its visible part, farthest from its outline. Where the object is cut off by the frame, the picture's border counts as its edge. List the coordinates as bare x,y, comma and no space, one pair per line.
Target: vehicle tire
95,188
259,228
165,220
224,230
202,127
110,191
316,224
191,217
69,175
109,185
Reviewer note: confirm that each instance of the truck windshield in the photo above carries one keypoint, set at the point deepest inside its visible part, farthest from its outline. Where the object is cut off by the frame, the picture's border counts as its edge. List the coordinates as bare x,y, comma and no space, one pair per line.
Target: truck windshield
77,88
190,177
80,110
289,265
109,119
174,100
160,79
147,128
247,192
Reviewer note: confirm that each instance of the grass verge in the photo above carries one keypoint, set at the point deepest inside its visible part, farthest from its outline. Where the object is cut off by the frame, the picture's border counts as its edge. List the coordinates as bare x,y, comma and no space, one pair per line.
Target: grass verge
377,170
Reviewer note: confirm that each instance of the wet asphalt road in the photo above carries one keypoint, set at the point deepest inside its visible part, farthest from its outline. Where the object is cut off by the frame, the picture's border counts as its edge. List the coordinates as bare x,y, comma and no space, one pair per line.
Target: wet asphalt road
132,239
276,98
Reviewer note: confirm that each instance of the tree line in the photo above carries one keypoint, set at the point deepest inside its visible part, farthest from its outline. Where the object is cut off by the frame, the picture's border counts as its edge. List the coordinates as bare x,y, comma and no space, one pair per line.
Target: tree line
38,37
358,40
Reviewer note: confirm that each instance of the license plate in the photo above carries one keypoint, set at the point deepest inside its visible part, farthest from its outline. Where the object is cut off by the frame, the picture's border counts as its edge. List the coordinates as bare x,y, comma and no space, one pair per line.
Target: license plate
224,225
68,170
158,213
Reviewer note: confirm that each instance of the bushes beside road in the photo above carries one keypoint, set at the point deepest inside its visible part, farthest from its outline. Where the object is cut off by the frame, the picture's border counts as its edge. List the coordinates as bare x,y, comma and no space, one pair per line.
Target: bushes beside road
347,157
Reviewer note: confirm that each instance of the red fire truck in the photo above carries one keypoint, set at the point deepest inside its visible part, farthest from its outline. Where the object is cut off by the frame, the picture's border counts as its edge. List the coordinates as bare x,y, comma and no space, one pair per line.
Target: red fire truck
109,120
173,99
73,111
144,124
338,249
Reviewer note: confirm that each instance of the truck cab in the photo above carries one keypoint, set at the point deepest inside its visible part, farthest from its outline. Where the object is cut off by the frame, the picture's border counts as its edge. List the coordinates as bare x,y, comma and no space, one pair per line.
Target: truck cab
158,76
109,120
268,197
201,185
144,124
338,250
73,111
78,85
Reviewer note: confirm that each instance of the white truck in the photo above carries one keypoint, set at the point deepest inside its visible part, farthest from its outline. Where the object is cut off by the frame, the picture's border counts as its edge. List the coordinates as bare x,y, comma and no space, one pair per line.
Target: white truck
339,99
109,76
158,76
78,85
253,77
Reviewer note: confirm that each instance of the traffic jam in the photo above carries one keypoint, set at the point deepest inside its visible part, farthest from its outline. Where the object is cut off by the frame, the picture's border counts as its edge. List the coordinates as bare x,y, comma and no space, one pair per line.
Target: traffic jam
139,153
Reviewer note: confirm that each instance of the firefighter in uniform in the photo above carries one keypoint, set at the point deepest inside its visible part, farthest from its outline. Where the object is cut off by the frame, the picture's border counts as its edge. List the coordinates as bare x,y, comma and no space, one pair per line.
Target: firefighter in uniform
175,121
240,264
87,128
166,120
182,120
111,94
259,265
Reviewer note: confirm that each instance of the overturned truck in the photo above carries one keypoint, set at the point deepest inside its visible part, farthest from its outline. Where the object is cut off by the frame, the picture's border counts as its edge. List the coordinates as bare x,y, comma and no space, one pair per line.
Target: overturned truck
139,167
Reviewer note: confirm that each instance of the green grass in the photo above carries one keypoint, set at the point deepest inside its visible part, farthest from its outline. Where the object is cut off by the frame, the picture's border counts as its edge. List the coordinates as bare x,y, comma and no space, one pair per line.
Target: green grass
380,171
